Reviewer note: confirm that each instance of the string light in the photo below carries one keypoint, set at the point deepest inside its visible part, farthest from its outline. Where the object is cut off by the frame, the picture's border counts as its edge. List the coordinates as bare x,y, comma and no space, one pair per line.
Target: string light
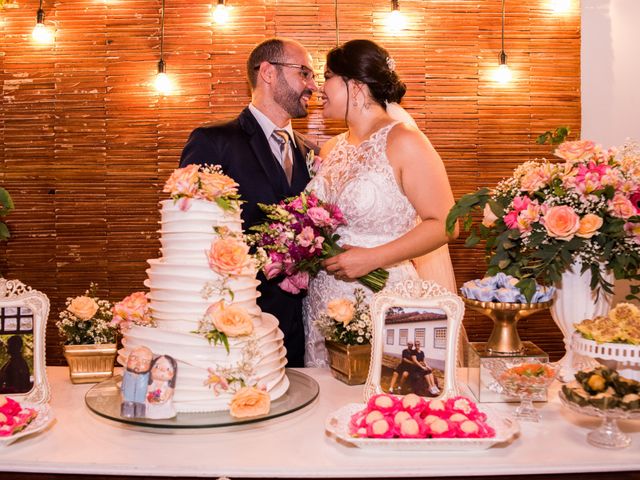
560,6
41,33
221,12
163,83
395,20
503,72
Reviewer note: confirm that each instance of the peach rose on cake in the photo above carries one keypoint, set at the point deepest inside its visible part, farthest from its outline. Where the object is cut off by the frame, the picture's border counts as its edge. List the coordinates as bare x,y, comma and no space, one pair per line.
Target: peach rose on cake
589,225
83,307
215,185
561,222
183,182
341,310
232,320
249,402
132,309
228,256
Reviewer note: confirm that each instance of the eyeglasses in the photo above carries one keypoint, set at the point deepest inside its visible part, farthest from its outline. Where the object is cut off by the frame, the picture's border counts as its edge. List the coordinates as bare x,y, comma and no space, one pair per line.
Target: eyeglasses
305,72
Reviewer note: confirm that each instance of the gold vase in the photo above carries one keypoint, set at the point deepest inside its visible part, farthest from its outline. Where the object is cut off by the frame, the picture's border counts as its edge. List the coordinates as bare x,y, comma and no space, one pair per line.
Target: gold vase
90,363
504,338
349,363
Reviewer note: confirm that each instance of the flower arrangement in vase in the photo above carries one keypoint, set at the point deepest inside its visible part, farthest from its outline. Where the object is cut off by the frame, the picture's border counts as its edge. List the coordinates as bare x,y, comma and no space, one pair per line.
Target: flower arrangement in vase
347,329
89,337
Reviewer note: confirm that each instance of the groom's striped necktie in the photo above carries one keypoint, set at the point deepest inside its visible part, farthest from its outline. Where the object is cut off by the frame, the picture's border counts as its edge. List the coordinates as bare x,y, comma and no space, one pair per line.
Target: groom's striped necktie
283,139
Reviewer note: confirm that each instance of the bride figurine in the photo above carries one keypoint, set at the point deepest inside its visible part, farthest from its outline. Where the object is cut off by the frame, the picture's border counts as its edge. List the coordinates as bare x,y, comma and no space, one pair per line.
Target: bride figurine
387,179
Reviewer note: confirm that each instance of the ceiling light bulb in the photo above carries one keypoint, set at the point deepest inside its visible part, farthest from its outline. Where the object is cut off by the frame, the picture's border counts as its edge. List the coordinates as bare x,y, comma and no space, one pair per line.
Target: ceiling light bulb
220,13
503,74
42,34
560,6
163,84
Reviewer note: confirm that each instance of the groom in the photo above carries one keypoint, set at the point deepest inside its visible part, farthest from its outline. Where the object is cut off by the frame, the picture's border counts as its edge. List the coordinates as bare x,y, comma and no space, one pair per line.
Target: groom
266,157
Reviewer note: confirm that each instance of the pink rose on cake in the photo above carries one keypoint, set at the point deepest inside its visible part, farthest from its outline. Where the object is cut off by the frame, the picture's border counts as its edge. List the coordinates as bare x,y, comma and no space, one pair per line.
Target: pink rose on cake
83,307
228,256
249,402
133,309
232,320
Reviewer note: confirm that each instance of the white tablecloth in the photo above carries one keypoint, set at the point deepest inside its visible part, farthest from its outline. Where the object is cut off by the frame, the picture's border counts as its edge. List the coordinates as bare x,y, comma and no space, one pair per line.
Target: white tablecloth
297,445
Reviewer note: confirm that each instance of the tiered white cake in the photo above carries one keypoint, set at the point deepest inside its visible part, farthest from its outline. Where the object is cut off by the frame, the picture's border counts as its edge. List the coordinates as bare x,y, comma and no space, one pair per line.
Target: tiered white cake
182,286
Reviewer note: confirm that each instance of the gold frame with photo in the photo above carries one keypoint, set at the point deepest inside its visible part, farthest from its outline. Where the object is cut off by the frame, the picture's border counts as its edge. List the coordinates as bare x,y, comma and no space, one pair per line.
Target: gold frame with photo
15,294
415,294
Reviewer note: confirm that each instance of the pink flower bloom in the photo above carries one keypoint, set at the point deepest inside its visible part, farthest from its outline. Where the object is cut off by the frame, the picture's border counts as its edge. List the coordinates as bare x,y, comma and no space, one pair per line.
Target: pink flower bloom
511,219
297,204
520,203
132,309
295,283
183,182
620,206
528,216
536,179
635,201
319,216
575,151
184,203
561,222
488,217
306,237
272,269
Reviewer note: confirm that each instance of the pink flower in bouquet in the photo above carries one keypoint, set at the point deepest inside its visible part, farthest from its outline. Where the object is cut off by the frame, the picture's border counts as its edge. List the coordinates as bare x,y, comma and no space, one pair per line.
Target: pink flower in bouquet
273,269
319,216
536,178
295,283
589,177
575,151
620,206
528,216
228,256
183,182
561,222
635,201
589,225
132,309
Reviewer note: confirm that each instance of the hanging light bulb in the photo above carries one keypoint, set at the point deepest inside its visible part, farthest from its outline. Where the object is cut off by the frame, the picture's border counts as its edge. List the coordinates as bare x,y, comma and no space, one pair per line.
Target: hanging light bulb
395,20
163,83
41,34
560,6
220,13
503,73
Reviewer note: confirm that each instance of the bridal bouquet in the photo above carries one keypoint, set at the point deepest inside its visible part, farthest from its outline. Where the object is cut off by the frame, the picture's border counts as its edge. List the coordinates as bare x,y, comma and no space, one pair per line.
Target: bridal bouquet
298,236
549,214
345,321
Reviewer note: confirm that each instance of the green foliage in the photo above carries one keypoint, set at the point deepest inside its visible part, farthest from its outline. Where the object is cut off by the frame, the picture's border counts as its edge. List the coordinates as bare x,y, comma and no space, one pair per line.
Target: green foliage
556,137
6,206
215,336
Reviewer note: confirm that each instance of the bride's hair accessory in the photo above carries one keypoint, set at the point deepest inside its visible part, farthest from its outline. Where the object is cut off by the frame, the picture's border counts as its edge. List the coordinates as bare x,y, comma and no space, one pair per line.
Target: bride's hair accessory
391,63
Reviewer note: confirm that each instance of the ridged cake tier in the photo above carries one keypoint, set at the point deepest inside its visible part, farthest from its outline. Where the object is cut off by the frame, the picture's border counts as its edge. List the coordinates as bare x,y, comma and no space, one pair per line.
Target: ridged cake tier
195,356
182,286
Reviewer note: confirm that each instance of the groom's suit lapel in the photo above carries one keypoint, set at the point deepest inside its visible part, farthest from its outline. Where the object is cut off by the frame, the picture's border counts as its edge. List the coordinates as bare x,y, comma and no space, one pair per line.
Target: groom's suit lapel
260,146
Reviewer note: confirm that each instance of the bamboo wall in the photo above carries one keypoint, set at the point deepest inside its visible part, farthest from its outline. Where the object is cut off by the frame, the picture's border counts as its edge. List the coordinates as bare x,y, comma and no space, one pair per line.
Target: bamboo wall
86,143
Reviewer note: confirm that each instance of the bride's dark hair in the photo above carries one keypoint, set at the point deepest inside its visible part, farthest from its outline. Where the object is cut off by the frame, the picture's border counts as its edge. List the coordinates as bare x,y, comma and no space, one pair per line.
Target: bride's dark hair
369,63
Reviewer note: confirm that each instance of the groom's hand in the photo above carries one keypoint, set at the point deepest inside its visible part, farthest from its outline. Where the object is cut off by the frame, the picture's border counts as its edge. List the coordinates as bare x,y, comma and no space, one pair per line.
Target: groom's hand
351,264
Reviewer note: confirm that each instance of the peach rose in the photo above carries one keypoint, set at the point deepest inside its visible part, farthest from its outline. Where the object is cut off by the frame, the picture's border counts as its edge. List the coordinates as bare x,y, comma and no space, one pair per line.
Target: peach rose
232,320
215,185
561,222
589,225
228,256
620,206
132,309
536,178
341,310
83,307
575,151
488,218
249,402
183,181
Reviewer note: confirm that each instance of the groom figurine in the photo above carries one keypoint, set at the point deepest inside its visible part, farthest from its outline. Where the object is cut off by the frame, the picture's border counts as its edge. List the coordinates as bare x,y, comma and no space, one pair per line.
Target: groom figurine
260,150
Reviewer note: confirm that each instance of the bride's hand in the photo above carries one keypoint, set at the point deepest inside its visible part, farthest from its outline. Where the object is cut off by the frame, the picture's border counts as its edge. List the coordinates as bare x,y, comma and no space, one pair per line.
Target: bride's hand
353,263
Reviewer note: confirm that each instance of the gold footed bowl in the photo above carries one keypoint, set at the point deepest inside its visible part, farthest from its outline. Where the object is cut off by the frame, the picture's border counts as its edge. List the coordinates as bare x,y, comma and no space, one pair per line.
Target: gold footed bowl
90,363
504,338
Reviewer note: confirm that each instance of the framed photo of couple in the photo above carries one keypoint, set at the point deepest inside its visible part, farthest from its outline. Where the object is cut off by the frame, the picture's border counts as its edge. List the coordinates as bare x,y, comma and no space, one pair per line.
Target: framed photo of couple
416,325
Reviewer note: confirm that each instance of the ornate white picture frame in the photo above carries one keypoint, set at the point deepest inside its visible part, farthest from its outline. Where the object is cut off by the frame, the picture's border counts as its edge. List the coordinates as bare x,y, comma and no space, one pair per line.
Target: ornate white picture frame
23,321
424,308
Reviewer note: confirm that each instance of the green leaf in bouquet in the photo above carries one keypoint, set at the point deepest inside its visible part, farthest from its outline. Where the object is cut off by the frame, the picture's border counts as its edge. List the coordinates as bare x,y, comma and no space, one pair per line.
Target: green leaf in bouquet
4,231
471,240
6,204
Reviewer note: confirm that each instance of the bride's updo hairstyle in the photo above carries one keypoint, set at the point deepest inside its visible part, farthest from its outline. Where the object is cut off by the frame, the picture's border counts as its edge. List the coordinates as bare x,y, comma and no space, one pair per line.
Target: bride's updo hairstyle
369,63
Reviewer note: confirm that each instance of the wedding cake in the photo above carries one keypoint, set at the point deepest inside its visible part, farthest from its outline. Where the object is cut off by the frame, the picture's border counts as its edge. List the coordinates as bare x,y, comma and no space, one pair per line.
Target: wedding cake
202,295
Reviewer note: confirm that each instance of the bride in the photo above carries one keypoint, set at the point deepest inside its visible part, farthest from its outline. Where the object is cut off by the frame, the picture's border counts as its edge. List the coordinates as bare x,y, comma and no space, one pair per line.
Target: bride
387,179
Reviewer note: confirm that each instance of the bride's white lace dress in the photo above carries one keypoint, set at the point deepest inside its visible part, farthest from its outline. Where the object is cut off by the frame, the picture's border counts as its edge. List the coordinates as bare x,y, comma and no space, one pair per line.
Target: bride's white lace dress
360,180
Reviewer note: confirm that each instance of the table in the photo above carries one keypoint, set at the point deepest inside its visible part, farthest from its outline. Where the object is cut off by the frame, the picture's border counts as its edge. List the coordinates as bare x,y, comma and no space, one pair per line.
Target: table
297,446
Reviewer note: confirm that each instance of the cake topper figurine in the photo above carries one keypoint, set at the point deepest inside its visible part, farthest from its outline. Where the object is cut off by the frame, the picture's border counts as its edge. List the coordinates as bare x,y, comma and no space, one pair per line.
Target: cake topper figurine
135,380
162,383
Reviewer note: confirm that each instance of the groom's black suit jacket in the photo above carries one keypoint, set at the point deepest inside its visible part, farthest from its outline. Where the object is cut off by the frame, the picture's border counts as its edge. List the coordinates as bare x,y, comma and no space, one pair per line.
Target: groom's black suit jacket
242,150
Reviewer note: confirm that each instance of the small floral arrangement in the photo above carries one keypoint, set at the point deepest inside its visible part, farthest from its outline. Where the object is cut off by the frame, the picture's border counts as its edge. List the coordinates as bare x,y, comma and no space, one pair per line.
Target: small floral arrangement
502,288
550,214
202,182
345,321
86,320
132,310
154,396
298,236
